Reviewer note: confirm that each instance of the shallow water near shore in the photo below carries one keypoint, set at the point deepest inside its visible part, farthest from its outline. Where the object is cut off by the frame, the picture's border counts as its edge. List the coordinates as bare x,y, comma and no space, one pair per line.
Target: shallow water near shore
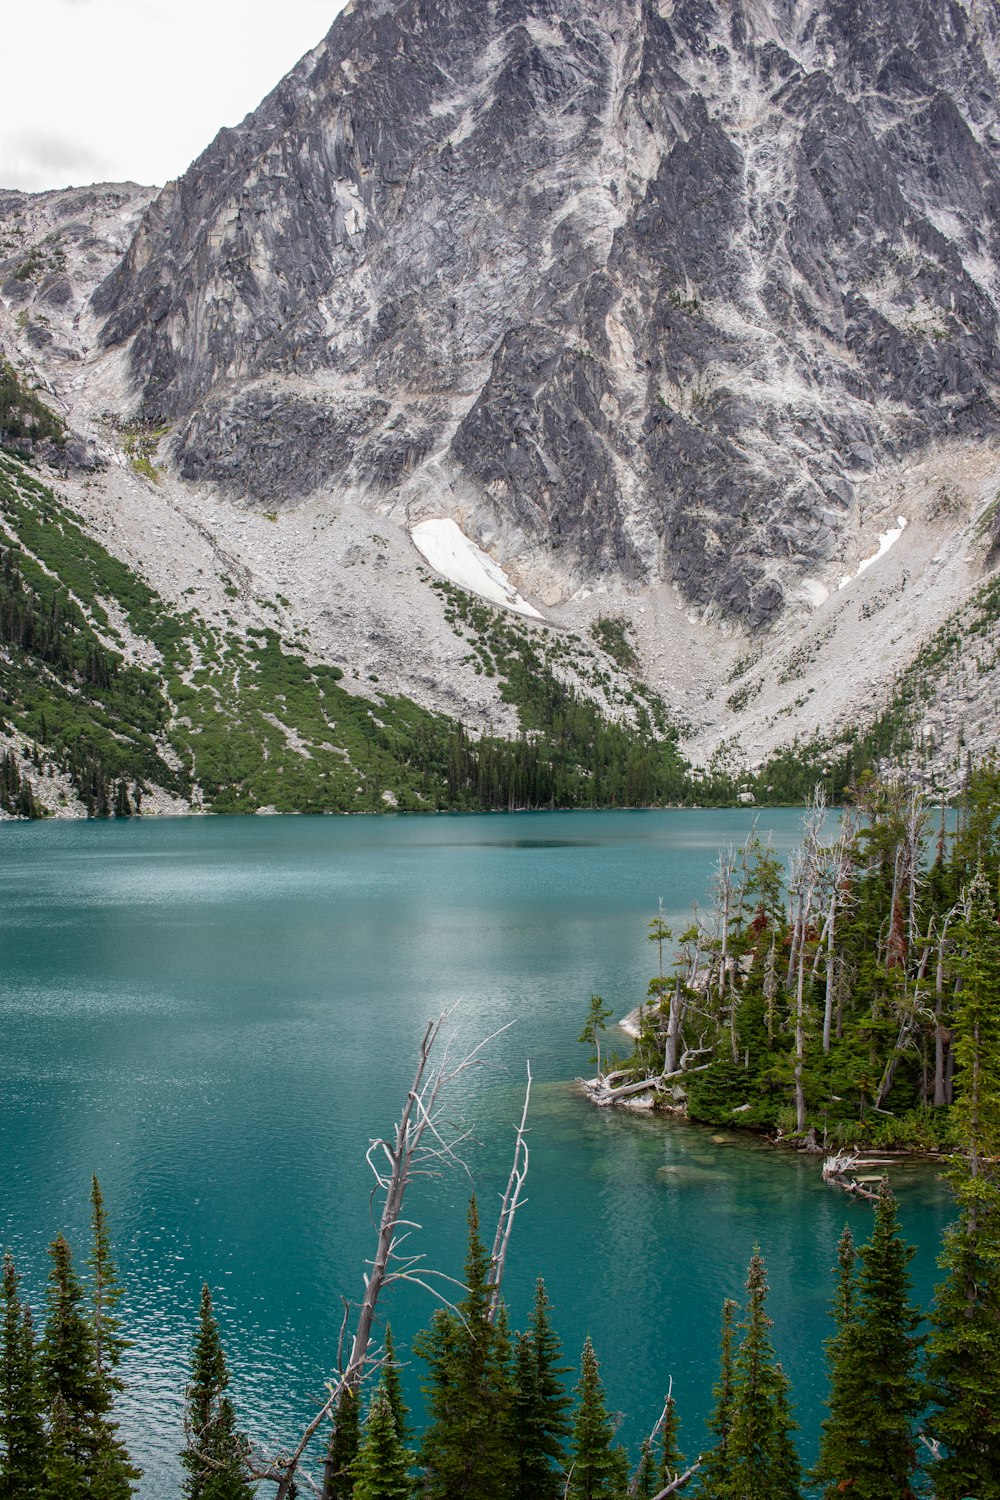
217,1015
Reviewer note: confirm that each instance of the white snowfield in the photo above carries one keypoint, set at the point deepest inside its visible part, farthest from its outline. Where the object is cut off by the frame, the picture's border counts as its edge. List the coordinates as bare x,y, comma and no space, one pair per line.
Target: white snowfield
450,553
885,541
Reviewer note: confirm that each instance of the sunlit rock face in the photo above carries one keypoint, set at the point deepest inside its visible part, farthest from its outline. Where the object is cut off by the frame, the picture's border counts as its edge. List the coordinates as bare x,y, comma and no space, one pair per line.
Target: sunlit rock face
651,289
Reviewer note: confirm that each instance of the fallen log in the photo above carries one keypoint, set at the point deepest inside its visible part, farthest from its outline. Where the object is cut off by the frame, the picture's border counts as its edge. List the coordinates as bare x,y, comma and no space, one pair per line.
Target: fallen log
598,1090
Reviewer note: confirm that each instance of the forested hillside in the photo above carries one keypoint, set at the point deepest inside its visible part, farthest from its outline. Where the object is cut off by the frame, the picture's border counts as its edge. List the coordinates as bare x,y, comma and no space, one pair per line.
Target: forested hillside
112,693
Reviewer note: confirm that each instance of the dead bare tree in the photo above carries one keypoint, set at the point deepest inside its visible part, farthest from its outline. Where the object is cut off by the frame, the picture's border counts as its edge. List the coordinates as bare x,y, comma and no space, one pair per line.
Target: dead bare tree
805,878
509,1203
678,1484
422,1145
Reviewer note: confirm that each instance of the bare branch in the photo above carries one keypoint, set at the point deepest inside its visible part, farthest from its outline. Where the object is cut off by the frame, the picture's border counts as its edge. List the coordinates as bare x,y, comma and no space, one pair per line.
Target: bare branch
658,1427
509,1203
679,1482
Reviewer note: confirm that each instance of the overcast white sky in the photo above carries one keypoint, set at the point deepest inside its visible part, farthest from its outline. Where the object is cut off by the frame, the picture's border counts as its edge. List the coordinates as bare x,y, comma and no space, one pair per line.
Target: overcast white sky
117,90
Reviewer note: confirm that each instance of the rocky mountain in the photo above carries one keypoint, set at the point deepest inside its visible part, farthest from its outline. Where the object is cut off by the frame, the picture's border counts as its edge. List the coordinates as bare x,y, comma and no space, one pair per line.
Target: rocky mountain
678,308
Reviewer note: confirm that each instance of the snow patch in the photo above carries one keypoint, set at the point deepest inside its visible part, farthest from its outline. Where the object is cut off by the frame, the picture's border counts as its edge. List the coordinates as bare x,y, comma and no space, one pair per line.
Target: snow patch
886,540
450,553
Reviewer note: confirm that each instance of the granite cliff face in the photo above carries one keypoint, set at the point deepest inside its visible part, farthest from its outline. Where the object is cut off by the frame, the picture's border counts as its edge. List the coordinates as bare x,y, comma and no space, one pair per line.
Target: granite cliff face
647,289
679,308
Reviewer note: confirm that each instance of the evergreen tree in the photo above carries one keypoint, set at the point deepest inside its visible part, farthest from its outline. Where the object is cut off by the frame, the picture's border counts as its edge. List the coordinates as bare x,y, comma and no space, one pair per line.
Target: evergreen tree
760,1459
671,1458
214,1457
393,1388
467,1452
344,1445
22,1436
106,1293
381,1469
69,1380
714,1463
644,1485
837,1440
869,1447
962,1369
114,1471
598,1467
540,1409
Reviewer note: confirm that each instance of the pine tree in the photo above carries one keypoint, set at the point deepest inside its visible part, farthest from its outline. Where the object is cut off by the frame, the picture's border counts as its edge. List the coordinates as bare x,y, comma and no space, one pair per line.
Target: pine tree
214,1458
22,1436
381,1469
869,1445
962,1368
540,1406
598,1468
467,1451
760,1459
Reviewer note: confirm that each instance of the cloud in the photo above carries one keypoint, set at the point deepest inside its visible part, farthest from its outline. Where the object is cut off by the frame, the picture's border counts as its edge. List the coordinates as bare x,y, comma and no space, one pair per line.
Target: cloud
33,159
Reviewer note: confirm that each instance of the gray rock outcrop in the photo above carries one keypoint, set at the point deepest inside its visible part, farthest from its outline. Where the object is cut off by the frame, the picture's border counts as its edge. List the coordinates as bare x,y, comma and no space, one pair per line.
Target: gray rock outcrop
639,288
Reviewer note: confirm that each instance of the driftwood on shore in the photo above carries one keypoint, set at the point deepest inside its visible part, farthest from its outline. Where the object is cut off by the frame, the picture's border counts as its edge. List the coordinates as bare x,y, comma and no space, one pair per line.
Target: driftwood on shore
852,1171
605,1089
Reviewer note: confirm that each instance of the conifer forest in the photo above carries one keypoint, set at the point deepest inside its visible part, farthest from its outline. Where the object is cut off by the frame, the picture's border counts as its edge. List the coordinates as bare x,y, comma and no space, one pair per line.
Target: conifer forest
856,1000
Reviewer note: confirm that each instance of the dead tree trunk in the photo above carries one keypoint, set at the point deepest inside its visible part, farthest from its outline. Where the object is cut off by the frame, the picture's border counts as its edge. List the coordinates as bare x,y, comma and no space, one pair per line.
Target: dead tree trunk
420,1145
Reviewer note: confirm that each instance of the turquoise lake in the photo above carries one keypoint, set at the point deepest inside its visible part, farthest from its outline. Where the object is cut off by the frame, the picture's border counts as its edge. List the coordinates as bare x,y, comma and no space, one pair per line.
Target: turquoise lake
217,1015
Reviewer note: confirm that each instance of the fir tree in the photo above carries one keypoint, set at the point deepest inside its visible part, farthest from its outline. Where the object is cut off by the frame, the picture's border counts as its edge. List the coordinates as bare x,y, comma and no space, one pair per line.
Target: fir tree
106,1293
671,1458
644,1485
598,1468
713,1468
869,1446
962,1369
467,1451
541,1424
214,1457
760,1460
393,1388
837,1440
381,1469
344,1445
114,1471
80,1439
22,1436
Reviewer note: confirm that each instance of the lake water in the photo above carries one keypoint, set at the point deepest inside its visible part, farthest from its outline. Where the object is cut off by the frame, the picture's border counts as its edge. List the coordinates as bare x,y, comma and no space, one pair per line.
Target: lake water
217,1015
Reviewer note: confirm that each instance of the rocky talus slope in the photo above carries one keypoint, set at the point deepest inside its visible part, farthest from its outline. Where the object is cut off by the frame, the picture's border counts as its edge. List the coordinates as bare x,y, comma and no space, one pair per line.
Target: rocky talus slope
677,307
